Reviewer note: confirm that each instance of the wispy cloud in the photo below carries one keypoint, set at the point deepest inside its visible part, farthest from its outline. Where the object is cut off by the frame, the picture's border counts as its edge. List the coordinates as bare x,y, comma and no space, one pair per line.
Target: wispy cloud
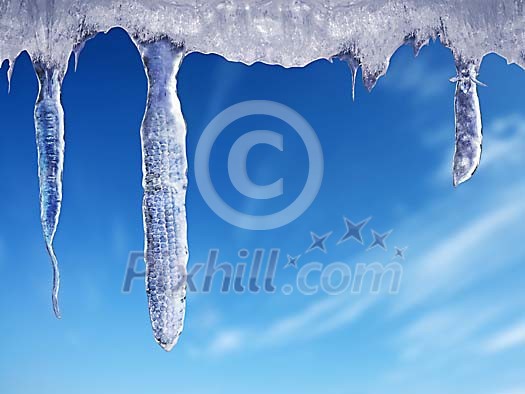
344,316
448,255
507,140
508,338
439,270
513,390
320,317
227,341
414,77
449,264
453,327
282,328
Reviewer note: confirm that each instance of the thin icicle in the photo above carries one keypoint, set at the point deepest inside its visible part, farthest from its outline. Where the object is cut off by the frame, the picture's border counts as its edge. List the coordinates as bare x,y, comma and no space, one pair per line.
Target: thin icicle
49,126
165,181
416,42
468,122
10,70
354,65
372,75
76,52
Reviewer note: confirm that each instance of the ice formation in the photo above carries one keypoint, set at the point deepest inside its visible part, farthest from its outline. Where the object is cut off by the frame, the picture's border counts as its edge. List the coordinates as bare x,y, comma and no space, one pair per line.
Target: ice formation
49,126
163,136
364,33
468,122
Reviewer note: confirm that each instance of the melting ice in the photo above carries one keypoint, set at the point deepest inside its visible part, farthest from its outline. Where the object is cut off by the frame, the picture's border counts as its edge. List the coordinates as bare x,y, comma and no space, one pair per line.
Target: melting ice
291,33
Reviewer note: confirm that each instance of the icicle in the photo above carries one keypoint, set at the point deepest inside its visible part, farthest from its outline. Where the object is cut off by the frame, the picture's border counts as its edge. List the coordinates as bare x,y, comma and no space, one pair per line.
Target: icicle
10,70
354,65
77,55
468,121
372,75
165,181
76,52
49,126
416,43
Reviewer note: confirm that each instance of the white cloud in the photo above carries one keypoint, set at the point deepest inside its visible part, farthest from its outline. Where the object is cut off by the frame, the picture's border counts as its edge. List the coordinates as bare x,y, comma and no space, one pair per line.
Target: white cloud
344,316
449,253
227,341
507,140
205,319
439,270
513,390
451,264
281,329
318,318
510,337
448,328
414,77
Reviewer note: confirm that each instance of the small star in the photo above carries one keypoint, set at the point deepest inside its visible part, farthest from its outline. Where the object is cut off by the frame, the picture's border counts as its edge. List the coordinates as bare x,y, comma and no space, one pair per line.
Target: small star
400,252
292,261
318,242
379,240
353,230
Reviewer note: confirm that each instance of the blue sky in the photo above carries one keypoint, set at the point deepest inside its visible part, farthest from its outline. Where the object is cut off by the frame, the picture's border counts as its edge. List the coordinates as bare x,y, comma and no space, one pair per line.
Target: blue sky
456,326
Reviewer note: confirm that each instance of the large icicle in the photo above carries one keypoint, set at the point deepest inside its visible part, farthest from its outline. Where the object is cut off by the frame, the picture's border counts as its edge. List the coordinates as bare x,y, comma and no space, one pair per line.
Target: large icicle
165,181
49,126
468,121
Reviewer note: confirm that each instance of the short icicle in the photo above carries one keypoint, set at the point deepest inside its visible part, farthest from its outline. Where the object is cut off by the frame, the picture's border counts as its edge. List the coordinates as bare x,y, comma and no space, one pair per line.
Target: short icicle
49,127
163,136
354,65
468,121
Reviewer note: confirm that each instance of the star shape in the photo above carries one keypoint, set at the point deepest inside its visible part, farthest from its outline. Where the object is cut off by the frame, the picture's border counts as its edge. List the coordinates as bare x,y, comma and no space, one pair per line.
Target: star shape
318,242
353,230
379,240
292,261
400,252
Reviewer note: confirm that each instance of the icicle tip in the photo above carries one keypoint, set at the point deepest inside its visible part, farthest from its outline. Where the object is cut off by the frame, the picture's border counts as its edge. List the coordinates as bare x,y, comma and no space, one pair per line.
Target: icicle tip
56,280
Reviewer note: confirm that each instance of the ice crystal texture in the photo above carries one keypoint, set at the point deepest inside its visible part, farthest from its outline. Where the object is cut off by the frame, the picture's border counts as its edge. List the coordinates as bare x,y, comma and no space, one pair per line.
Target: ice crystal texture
49,125
364,33
163,136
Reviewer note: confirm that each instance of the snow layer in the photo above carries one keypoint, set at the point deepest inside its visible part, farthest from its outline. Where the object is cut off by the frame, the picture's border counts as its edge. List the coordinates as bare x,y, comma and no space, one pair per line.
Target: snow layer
289,33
